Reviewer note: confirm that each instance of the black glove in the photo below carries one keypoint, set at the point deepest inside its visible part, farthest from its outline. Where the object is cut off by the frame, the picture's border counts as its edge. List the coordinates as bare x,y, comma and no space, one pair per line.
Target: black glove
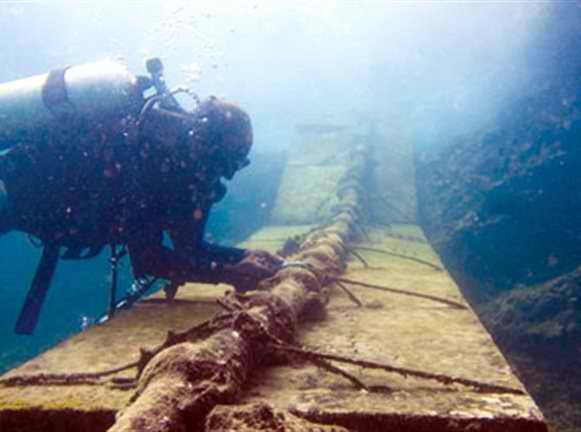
255,266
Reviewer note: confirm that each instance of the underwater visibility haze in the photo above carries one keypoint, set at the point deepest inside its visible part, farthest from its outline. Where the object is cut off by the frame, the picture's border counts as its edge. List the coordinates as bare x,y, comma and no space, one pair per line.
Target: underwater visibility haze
486,95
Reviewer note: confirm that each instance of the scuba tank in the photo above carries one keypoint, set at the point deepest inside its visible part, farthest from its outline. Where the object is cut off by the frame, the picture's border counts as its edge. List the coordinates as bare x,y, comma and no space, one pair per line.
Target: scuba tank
95,91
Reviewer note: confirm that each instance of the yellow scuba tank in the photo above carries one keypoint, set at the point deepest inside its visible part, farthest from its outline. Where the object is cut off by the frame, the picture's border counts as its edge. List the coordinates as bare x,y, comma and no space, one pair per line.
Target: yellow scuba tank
96,90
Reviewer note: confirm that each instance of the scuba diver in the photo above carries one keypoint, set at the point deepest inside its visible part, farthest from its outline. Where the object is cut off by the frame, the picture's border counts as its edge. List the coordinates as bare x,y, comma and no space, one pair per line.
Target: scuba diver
88,161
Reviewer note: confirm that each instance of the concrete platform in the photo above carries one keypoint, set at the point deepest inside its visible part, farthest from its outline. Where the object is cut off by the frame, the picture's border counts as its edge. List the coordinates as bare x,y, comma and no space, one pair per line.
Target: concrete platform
406,332
390,328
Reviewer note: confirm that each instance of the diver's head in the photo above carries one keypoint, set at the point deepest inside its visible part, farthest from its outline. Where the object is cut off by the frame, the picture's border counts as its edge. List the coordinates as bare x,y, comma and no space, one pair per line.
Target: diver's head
223,136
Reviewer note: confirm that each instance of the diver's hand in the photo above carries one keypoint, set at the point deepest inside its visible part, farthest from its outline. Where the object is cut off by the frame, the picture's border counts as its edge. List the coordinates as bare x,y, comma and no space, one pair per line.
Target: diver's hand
255,266
268,262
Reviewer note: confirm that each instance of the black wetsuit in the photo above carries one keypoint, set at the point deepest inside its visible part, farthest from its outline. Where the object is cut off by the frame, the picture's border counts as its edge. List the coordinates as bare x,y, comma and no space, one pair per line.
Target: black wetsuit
113,184
82,186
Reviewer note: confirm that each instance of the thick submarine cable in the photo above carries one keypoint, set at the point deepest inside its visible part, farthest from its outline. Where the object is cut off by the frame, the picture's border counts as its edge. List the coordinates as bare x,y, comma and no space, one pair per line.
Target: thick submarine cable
183,383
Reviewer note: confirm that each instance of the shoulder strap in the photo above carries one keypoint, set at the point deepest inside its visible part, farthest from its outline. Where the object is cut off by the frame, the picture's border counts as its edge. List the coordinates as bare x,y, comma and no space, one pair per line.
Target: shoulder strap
55,95
32,307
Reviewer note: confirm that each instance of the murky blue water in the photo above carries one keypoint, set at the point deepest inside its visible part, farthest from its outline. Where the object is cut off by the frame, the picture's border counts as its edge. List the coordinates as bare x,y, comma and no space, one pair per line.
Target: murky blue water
433,70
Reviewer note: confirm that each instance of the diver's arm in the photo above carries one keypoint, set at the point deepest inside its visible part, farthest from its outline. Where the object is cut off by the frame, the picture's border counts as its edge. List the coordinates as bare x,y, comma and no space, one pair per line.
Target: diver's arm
149,257
242,268
187,238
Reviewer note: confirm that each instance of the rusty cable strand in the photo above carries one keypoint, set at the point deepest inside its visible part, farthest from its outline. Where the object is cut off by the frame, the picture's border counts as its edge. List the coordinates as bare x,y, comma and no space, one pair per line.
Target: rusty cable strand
352,296
444,379
87,378
261,330
316,357
95,378
330,367
418,260
359,257
196,332
453,303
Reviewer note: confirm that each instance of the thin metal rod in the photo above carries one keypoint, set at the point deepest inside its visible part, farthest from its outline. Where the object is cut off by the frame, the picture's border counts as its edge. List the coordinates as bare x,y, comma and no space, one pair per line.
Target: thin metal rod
114,262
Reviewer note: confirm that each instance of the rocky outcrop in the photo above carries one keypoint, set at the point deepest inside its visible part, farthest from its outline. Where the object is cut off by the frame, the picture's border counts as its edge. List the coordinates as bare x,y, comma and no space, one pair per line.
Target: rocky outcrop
502,207
547,314
539,329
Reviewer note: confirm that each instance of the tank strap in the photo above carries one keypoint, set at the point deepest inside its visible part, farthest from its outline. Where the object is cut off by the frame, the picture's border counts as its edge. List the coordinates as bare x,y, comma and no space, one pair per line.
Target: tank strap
55,95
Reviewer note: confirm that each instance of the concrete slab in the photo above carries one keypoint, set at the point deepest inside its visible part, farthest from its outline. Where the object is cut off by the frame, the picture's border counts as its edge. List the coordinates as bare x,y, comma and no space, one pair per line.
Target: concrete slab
404,331
319,161
115,343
